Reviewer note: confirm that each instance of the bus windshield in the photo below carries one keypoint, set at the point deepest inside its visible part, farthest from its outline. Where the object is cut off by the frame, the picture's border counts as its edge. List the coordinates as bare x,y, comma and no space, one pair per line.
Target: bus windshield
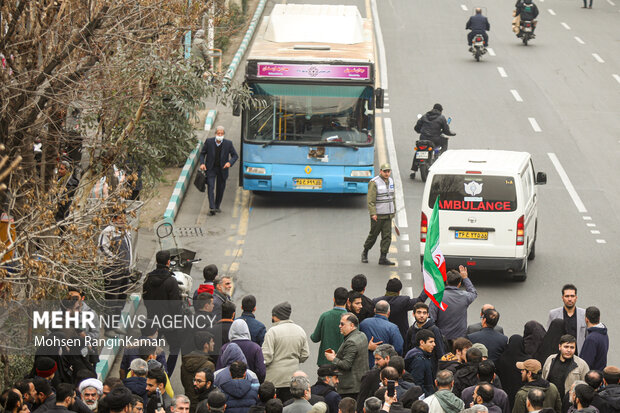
310,114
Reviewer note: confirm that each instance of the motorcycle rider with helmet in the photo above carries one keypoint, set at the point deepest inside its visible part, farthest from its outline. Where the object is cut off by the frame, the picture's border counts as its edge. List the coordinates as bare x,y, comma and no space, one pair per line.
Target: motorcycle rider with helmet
527,11
478,24
430,127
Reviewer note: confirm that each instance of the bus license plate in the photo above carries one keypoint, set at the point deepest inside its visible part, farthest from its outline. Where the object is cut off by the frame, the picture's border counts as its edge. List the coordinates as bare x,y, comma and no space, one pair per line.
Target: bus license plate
308,183
421,155
471,235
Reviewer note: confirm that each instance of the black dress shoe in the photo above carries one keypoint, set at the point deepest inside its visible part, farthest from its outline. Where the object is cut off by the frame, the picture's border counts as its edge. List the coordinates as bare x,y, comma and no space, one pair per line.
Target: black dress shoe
218,210
212,212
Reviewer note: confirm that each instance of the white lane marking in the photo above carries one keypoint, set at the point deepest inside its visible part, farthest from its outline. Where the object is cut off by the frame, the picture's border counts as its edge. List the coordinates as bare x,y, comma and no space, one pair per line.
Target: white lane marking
491,51
579,40
617,77
385,94
591,225
400,197
568,184
464,7
516,95
386,110
406,276
601,241
587,218
408,292
404,237
534,124
502,72
406,263
566,26
611,2
405,247
379,34
595,231
598,58
386,105
551,12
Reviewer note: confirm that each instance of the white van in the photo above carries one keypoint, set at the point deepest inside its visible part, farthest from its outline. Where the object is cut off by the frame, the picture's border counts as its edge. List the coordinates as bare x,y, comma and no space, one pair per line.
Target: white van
488,209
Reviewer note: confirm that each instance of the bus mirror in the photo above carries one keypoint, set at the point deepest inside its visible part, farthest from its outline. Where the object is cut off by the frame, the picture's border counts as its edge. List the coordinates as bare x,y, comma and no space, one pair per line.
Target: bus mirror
379,98
541,178
236,109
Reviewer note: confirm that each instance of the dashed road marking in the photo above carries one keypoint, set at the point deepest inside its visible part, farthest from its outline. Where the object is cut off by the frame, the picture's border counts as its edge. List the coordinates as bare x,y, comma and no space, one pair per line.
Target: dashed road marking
400,197
516,95
601,241
579,40
404,237
406,276
587,218
611,2
491,51
393,249
568,184
405,248
591,225
386,111
502,72
464,7
406,263
551,12
617,77
598,58
595,231
534,124
566,26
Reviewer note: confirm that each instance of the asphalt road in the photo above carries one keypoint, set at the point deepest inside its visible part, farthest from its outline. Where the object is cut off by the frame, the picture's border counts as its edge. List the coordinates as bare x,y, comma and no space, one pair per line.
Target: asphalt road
300,247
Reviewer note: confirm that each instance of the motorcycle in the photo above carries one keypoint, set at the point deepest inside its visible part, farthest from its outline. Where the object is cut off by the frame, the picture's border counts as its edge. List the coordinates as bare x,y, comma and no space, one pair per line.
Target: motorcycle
425,154
478,48
526,31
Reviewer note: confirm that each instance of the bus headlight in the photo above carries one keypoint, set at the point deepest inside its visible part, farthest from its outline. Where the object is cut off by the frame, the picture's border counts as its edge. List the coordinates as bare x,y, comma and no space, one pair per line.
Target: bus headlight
255,170
360,173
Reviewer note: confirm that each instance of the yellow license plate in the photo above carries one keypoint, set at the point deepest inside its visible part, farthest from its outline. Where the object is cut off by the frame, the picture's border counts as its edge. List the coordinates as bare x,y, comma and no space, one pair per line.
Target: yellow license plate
471,235
308,183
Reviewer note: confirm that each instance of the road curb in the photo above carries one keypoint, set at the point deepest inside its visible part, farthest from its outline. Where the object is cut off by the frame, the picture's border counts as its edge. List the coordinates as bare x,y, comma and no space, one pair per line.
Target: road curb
108,354
230,73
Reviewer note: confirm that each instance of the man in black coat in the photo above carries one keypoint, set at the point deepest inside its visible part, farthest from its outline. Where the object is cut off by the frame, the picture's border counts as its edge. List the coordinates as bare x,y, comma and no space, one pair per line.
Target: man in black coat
478,24
431,126
162,297
422,321
216,158
326,386
358,284
371,379
494,341
400,305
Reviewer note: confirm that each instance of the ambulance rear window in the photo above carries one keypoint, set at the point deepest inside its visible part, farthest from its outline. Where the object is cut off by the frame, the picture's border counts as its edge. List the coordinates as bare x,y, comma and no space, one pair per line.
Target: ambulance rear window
478,193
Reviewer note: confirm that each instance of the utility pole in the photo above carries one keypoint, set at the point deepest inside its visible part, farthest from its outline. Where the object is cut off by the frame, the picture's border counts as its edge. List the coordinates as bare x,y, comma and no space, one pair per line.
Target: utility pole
211,31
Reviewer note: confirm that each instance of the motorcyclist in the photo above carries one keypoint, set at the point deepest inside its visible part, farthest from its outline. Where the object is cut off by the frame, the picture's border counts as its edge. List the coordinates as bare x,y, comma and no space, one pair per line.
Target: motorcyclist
478,24
527,11
430,127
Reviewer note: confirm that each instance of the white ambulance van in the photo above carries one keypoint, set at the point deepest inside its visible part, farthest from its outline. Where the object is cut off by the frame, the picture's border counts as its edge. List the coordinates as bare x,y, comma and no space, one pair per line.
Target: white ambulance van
488,209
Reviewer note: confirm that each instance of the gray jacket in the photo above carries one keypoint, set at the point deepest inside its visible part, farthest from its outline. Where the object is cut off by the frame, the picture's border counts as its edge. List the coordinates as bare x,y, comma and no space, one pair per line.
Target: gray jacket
453,321
474,328
581,323
352,360
298,406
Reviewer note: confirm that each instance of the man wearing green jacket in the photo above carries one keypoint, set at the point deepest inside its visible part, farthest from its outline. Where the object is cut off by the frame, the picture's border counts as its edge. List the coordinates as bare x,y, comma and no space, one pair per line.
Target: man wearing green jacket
326,330
381,208
351,358
531,377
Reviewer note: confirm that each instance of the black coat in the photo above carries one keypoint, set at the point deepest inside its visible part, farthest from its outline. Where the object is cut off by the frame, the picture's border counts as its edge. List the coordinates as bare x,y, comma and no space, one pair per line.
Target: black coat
478,23
494,342
370,384
432,125
160,286
207,156
332,398
527,11
400,305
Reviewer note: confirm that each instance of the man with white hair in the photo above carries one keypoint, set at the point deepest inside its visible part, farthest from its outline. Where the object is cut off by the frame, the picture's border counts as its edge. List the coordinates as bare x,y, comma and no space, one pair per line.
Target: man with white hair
216,158
180,404
91,390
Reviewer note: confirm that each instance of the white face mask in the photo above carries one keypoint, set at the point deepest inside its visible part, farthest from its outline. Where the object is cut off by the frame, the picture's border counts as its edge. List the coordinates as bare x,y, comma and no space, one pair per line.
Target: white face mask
219,138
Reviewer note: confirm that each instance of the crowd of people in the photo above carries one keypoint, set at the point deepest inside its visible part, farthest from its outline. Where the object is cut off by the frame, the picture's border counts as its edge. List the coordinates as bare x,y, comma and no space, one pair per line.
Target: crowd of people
370,359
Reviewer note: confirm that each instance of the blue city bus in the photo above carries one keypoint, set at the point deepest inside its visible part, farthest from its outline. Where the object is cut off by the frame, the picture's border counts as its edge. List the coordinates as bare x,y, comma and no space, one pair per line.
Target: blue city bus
311,128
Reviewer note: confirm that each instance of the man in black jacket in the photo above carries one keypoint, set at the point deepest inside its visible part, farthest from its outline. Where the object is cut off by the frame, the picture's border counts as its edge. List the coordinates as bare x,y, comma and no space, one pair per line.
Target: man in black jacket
494,342
611,393
371,379
400,305
478,24
162,297
422,321
326,386
430,127
358,284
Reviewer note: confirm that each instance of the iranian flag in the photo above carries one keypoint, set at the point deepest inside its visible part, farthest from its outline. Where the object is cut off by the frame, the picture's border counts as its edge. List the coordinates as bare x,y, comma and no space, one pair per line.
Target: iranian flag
434,265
